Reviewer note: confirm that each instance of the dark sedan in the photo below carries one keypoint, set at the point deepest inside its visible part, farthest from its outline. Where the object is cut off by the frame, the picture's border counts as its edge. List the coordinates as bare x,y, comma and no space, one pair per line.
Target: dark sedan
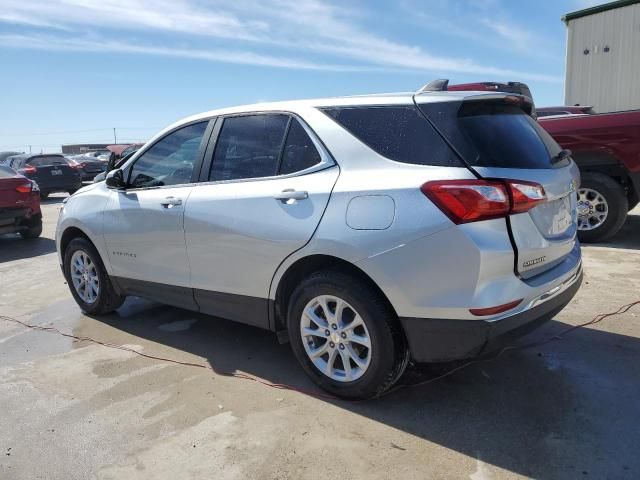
52,172
89,166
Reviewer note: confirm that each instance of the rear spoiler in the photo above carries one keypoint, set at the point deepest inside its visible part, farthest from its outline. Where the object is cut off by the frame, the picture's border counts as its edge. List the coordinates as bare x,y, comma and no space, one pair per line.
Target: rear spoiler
522,101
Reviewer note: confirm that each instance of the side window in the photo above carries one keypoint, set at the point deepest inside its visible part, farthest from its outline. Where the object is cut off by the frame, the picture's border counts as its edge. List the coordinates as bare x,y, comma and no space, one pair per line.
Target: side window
169,161
248,147
398,132
299,151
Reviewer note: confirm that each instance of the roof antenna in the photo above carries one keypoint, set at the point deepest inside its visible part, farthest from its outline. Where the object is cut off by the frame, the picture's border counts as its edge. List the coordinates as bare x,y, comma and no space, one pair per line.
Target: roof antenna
439,85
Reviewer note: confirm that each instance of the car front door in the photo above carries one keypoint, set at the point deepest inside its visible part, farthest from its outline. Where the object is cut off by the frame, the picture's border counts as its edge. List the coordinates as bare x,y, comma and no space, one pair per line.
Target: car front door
268,186
144,223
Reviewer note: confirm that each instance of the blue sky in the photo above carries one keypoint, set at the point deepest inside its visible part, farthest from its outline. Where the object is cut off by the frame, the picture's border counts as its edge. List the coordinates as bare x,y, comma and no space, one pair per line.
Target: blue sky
71,70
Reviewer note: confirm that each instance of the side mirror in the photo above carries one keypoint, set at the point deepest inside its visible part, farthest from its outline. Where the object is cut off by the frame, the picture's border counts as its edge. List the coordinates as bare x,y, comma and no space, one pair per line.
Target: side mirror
115,179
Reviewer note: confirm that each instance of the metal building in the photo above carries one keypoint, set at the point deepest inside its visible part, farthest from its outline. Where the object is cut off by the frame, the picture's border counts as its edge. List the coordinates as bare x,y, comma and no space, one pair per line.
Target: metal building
603,56
83,147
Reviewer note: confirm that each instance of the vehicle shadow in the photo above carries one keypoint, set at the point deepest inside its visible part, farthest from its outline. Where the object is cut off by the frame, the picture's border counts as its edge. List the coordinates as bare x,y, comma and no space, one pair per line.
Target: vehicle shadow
14,247
53,199
628,237
563,410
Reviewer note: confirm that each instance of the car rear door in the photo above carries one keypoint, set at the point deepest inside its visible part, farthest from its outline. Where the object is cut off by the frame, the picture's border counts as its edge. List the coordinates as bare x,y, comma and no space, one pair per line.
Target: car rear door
500,141
268,181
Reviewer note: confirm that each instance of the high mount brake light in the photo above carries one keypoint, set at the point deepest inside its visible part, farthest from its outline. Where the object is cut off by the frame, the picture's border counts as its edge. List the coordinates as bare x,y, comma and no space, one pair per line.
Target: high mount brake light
465,201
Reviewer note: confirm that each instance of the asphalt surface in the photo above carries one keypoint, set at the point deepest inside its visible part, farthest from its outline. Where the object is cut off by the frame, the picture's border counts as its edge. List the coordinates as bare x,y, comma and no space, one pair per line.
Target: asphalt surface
77,410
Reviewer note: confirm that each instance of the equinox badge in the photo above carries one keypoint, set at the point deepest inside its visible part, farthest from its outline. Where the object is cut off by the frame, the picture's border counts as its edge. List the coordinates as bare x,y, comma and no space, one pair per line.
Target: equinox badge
534,261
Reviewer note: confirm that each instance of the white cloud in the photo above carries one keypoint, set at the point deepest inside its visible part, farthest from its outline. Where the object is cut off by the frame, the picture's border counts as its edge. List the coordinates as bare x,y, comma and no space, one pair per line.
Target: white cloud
306,34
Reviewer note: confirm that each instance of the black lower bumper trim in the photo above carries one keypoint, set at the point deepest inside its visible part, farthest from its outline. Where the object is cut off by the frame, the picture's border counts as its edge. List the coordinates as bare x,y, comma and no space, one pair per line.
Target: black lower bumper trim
442,340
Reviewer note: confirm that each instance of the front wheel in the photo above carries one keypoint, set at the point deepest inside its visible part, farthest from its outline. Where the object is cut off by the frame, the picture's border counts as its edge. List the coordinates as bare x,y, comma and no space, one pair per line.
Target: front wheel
602,207
88,280
345,335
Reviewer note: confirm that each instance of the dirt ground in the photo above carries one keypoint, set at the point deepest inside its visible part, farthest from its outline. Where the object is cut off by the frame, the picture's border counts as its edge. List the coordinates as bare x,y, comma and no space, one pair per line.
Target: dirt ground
78,410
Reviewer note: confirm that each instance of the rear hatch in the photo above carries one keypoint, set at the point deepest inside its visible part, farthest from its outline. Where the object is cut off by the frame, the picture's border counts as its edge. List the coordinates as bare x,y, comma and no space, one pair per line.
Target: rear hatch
53,171
498,140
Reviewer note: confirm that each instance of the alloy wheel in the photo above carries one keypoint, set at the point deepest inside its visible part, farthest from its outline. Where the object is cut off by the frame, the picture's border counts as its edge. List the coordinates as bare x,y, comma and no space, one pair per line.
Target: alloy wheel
335,338
84,277
593,209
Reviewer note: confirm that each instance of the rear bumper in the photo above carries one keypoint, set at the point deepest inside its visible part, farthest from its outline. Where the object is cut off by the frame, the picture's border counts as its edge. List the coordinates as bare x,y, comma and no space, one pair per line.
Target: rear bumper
18,219
440,340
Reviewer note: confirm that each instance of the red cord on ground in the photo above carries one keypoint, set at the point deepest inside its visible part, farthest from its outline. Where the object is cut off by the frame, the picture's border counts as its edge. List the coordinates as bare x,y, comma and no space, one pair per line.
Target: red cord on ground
280,386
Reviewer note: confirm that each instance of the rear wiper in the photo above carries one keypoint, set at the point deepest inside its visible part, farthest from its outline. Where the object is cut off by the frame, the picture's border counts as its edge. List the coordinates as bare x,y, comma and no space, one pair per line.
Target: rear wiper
562,154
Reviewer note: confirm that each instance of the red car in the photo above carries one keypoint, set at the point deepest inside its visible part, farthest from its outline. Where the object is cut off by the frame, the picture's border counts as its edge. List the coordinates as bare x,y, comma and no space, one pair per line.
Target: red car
19,204
606,147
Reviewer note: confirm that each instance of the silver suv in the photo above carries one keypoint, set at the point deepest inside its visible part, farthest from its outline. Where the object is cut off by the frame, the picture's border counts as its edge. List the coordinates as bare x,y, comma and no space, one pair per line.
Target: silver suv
368,231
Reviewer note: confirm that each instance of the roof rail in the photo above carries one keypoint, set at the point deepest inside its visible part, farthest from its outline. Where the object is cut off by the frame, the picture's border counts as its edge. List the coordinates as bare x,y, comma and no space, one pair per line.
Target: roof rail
439,85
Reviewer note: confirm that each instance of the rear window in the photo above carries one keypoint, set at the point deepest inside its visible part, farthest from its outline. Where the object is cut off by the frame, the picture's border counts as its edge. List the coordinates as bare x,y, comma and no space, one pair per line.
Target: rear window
46,161
505,137
399,133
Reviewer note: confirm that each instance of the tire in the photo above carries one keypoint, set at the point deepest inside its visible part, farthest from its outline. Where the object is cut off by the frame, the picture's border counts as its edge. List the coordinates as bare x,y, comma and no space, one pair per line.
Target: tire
44,195
106,300
387,356
34,231
616,202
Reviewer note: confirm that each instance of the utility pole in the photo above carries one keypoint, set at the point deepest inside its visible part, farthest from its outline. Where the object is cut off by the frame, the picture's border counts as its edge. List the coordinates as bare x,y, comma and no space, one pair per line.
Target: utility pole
115,140
29,148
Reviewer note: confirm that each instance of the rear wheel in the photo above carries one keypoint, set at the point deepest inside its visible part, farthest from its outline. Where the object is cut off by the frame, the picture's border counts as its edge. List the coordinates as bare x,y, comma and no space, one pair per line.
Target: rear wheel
34,231
345,336
602,207
88,280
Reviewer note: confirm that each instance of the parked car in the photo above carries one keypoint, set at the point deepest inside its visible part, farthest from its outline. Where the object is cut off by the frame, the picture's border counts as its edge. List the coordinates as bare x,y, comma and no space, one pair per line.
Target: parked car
88,166
19,204
565,110
606,147
97,153
367,231
52,172
114,164
4,155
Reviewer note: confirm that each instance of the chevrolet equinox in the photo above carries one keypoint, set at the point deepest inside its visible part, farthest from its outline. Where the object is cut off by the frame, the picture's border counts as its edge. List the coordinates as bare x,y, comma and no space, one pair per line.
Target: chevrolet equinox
369,231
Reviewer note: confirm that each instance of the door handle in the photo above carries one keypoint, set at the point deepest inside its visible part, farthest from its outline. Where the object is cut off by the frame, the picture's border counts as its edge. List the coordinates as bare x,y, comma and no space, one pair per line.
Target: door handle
291,194
171,202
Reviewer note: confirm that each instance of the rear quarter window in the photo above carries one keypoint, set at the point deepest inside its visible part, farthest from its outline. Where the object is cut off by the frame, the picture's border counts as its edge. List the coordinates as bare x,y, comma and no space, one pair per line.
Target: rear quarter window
399,133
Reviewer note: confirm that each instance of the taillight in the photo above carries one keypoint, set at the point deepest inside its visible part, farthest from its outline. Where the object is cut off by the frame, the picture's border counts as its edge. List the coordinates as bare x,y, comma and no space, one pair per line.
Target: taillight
27,170
24,188
525,195
465,201
77,166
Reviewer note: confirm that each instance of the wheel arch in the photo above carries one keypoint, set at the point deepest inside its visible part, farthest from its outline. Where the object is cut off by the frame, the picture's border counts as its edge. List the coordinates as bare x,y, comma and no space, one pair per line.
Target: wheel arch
305,266
69,234
606,163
